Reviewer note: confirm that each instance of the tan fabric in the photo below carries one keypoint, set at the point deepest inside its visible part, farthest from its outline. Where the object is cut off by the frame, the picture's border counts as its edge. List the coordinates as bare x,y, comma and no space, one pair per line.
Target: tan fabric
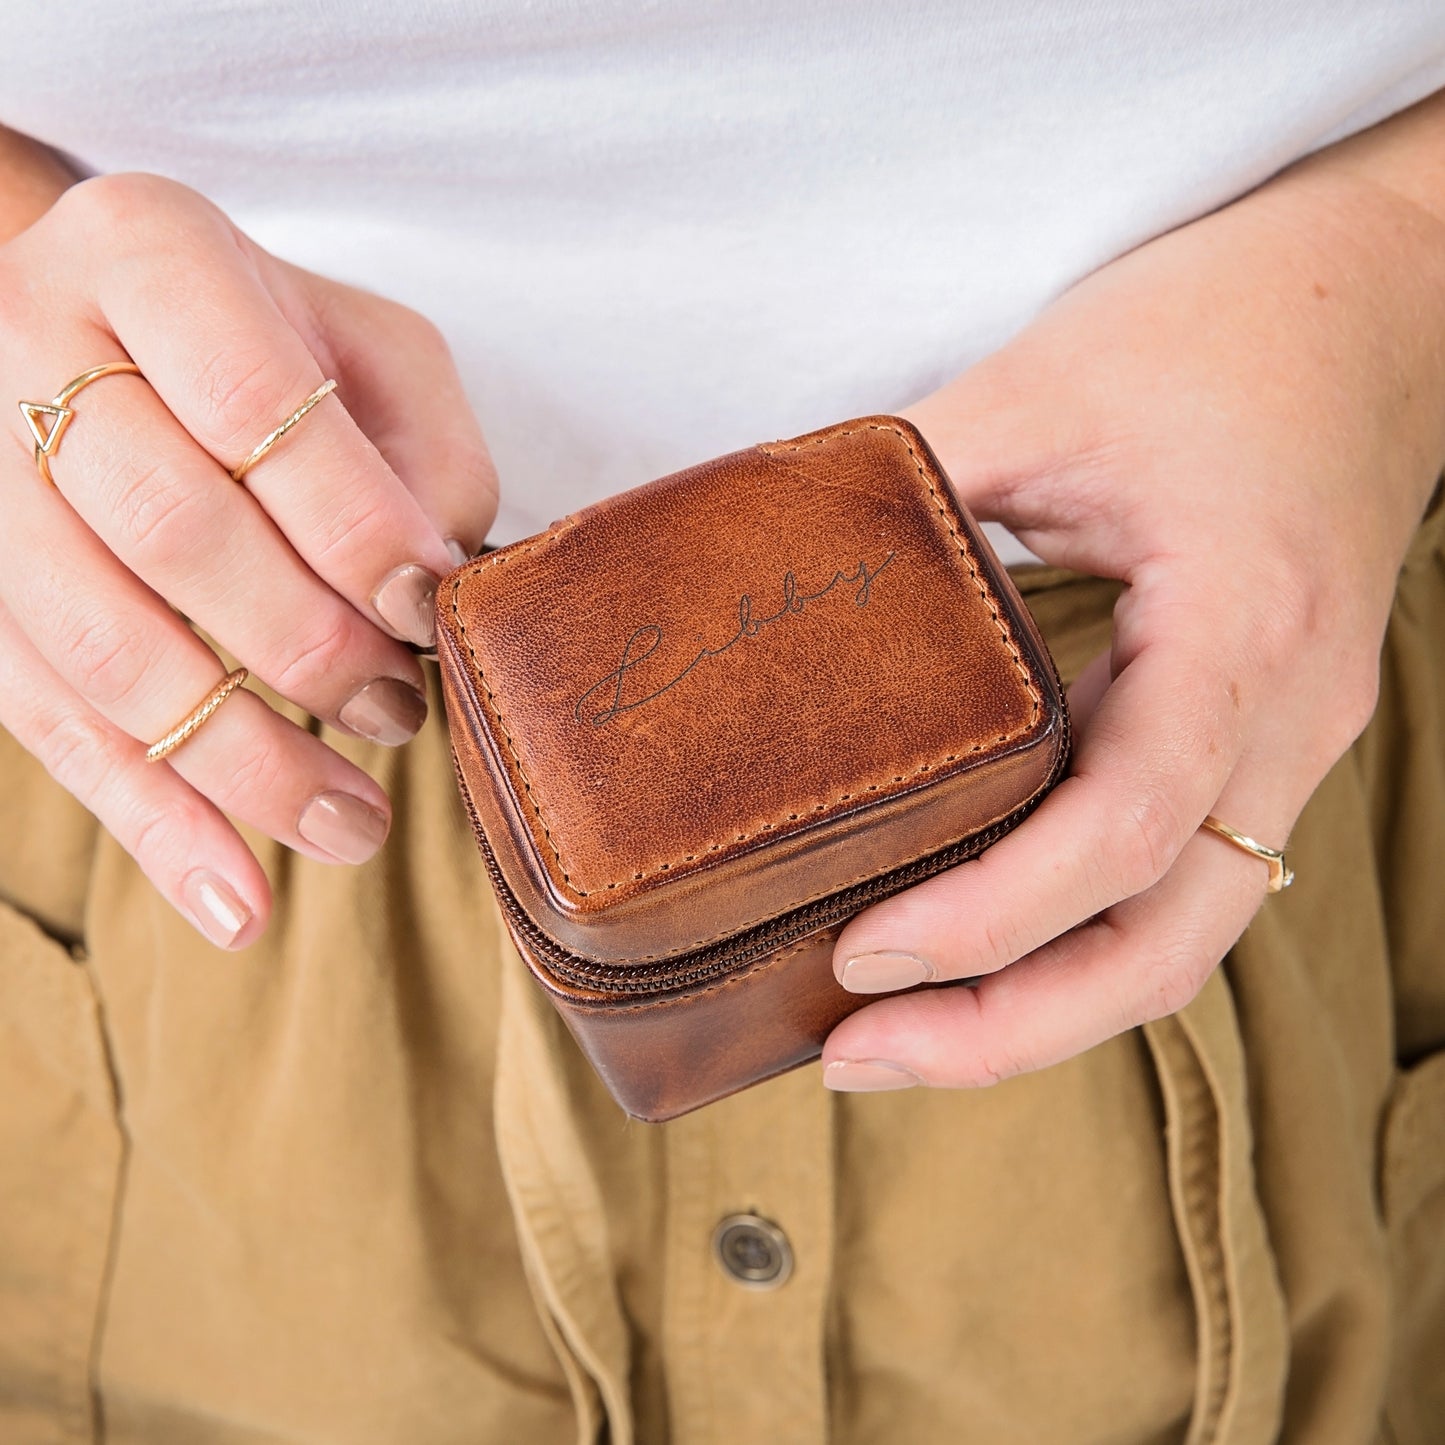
356,1185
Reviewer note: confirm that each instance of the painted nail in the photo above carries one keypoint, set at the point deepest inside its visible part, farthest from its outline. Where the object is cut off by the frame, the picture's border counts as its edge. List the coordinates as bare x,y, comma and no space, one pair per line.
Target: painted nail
884,972
350,830
405,602
215,907
386,710
458,551
868,1076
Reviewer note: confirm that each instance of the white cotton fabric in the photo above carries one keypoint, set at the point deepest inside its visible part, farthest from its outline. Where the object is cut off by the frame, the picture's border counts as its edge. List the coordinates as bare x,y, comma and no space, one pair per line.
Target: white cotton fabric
653,232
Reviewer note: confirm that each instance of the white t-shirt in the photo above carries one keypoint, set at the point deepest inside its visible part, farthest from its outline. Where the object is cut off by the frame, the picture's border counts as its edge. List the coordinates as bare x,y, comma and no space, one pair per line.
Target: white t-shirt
653,232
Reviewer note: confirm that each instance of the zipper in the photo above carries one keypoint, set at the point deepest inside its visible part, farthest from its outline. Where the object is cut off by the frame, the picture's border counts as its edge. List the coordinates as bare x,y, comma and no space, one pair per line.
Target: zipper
713,961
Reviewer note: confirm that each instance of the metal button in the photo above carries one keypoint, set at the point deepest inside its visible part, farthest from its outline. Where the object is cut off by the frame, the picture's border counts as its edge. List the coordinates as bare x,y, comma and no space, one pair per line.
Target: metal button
752,1251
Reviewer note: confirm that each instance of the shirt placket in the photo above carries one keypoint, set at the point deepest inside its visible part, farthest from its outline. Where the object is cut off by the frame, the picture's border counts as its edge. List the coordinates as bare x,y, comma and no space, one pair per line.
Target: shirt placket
748,1250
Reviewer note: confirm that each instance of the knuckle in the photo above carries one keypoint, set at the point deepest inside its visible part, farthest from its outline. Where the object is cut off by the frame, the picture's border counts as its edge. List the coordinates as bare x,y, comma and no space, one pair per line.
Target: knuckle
387,314
77,749
161,839
426,332
120,203
1301,617
1146,840
1355,703
236,391
155,509
985,1070
107,661
327,650
1294,604
362,522
466,458
1002,1057
1004,942
1172,981
259,772
95,200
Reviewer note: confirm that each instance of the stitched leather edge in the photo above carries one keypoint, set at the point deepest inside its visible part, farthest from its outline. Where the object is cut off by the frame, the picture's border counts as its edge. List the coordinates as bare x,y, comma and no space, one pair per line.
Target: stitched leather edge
559,529
594,973
770,448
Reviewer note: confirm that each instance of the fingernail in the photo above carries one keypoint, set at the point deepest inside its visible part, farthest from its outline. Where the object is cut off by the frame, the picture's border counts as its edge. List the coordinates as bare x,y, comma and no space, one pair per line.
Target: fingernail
868,1076
458,552
350,830
405,602
386,710
215,907
884,972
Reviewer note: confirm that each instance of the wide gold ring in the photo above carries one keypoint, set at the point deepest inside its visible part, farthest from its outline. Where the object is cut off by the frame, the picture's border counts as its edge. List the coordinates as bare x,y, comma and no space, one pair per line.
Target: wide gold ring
1280,875
195,720
48,420
272,437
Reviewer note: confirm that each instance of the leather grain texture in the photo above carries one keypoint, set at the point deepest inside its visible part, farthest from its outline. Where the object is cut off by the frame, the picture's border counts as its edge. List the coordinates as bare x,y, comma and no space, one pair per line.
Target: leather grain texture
709,717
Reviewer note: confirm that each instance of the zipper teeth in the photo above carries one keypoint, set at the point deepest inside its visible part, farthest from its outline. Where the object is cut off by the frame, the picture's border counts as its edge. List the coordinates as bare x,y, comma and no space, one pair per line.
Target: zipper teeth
703,965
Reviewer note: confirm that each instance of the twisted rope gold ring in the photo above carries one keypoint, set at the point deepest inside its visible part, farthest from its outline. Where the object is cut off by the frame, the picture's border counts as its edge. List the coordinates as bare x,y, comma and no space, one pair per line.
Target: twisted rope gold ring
272,437
196,719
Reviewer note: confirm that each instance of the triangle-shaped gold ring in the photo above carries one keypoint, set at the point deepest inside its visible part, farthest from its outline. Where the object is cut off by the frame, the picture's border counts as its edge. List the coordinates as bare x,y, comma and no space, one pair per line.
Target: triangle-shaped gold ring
34,413
58,415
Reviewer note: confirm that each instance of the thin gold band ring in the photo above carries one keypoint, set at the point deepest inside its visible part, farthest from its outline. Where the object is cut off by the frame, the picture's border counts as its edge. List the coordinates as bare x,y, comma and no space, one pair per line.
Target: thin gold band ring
195,720
57,413
1280,874
272,437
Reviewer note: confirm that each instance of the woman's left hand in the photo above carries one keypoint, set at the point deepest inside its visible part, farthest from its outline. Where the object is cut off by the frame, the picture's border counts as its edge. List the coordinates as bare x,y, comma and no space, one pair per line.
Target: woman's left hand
1243,421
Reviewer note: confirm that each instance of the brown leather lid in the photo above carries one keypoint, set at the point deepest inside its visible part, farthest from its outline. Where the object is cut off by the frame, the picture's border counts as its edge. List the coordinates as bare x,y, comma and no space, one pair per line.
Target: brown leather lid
701,703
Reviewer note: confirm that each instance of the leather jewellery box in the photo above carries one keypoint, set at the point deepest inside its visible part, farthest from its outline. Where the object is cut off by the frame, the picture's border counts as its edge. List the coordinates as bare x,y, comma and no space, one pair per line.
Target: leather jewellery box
702,724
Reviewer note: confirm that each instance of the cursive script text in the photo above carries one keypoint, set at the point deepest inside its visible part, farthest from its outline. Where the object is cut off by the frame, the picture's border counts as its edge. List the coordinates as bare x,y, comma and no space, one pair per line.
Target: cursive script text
616,693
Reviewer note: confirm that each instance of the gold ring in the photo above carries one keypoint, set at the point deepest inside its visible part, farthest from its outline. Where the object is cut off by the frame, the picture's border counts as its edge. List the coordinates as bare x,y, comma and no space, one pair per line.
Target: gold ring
1280,875
271,438
56,414
195,720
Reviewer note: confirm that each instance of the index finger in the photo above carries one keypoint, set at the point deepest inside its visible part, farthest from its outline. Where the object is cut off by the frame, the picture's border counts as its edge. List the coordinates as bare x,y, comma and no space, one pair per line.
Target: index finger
232,374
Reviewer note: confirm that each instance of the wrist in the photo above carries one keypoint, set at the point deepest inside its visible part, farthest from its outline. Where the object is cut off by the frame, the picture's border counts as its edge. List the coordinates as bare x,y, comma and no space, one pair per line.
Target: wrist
1373,257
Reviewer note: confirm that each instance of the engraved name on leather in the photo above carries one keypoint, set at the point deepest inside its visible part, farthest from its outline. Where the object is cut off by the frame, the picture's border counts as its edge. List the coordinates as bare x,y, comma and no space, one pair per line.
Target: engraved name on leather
617,691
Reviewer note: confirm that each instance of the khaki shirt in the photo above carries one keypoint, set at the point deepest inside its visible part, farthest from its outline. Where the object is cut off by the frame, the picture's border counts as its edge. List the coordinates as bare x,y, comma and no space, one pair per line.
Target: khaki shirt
356,1185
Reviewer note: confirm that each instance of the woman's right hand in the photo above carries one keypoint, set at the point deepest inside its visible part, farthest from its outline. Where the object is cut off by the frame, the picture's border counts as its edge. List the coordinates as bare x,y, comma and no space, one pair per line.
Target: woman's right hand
313,572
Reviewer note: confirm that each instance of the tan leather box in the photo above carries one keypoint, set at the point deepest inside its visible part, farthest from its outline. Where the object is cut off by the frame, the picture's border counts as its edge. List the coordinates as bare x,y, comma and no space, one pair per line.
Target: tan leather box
702,724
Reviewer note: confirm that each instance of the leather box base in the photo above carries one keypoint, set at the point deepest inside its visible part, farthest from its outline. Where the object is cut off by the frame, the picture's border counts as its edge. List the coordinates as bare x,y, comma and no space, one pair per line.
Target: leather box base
702,724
